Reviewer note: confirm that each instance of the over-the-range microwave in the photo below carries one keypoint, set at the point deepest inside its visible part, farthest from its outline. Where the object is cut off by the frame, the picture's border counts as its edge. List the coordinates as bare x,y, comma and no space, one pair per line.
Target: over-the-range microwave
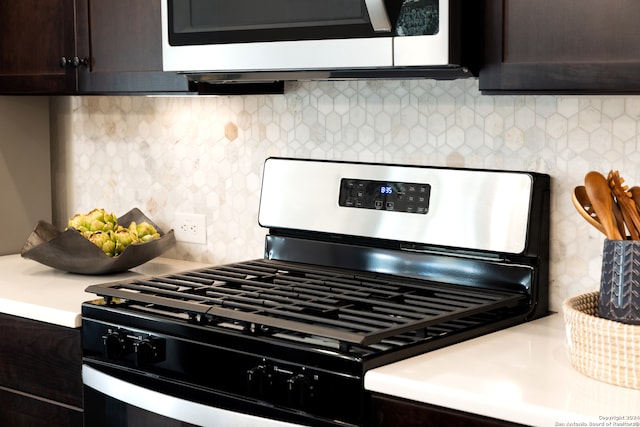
223,40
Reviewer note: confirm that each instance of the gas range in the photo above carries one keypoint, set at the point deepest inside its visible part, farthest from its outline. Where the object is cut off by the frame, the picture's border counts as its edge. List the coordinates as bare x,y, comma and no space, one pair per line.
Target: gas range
365,264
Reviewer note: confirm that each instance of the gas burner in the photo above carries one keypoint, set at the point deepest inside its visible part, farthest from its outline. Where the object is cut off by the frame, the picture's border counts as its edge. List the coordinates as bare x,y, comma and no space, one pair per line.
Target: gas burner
347,306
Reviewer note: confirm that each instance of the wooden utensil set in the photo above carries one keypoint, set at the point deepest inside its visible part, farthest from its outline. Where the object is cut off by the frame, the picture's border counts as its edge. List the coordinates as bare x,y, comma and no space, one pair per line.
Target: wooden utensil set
609,205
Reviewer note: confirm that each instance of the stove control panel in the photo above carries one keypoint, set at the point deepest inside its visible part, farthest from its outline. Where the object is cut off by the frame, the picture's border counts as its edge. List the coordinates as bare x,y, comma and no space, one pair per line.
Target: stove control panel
384,195
492,209
284,384
142,349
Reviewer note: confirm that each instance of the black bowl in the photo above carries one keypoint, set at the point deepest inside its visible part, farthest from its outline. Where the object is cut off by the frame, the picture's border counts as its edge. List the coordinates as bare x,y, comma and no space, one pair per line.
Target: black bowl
70,251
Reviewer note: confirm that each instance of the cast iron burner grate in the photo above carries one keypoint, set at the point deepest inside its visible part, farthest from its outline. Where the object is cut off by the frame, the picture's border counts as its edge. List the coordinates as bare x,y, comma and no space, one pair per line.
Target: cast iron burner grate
348,306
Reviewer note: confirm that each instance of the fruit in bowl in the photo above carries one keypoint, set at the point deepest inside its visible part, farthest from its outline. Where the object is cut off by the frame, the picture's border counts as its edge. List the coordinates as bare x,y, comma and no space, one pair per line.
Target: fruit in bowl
98,243
103,230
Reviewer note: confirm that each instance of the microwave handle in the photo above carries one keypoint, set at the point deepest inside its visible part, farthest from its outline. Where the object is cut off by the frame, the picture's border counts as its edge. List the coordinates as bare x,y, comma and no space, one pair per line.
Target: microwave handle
378,16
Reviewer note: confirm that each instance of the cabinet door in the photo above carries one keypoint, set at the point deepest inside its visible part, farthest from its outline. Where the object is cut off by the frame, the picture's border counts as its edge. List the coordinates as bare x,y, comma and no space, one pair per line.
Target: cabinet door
34,36
387,411
20,410
567,46
124,39
41,359
40,373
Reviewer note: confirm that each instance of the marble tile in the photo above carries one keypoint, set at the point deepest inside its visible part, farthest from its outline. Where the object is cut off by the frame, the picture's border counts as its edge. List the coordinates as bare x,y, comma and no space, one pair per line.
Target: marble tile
205,154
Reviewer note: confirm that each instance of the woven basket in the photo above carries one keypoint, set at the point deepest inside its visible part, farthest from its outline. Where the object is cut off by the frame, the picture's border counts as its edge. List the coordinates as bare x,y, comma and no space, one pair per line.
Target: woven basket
603,349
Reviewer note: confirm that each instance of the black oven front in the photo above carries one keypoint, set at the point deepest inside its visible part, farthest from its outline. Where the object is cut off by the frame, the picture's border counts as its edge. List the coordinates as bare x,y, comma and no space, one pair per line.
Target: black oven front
211,375
117,397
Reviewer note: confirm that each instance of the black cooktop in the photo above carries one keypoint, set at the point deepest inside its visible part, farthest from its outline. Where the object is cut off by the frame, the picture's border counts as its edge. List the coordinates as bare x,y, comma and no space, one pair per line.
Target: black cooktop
350,307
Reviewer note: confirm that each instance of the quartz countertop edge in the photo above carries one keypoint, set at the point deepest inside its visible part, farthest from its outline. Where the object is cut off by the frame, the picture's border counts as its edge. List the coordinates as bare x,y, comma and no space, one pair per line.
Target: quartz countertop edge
34,291
40,313
521,374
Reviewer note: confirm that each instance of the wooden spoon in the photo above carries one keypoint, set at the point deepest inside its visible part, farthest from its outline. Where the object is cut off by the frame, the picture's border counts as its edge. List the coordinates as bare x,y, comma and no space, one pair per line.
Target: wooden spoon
617,214
585,208
626,204
635,195
599,194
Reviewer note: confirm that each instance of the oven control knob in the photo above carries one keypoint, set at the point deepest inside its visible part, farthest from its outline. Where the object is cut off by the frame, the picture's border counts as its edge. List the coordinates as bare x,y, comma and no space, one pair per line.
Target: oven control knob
148,351
259,380
114,345
299,391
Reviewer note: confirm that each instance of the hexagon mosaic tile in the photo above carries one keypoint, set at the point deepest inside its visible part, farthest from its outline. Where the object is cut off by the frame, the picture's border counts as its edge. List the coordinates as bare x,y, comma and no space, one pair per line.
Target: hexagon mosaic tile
205,154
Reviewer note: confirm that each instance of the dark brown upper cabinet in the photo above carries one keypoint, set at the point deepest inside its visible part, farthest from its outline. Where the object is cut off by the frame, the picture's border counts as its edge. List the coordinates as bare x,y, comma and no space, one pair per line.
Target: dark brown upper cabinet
83,47
124,38
34,37
561,46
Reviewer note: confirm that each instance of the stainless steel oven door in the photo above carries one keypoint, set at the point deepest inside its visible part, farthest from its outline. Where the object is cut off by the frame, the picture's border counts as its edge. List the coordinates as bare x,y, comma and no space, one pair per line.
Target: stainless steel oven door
112,402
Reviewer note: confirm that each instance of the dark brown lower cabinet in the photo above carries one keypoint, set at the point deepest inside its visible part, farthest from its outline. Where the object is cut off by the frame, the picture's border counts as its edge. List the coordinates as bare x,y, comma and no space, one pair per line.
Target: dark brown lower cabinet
390,411
40,374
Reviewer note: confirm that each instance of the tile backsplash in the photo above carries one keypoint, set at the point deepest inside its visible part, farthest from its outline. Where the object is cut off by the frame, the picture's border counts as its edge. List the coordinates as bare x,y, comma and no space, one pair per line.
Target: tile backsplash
205,154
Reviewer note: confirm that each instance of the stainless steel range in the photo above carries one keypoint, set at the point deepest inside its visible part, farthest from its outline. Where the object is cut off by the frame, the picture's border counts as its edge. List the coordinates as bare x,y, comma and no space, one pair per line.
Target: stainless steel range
365,264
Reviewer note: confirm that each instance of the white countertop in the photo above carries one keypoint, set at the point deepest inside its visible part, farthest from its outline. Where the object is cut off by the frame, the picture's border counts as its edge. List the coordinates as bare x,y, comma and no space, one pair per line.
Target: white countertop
34,291
521,374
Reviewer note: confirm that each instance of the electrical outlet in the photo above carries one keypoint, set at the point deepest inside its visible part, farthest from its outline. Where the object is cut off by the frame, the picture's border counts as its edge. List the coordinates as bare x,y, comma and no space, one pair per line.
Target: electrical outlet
191,228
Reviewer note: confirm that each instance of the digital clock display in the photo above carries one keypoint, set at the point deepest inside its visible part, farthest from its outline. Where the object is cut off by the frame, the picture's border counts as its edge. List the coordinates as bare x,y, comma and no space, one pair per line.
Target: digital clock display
390,196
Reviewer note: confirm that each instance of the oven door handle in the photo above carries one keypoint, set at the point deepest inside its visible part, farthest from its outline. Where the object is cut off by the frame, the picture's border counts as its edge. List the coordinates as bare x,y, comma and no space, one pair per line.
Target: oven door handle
169,406
378,16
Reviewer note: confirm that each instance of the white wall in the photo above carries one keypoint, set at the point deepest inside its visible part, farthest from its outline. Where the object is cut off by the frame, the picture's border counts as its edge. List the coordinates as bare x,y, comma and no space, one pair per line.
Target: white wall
25,177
